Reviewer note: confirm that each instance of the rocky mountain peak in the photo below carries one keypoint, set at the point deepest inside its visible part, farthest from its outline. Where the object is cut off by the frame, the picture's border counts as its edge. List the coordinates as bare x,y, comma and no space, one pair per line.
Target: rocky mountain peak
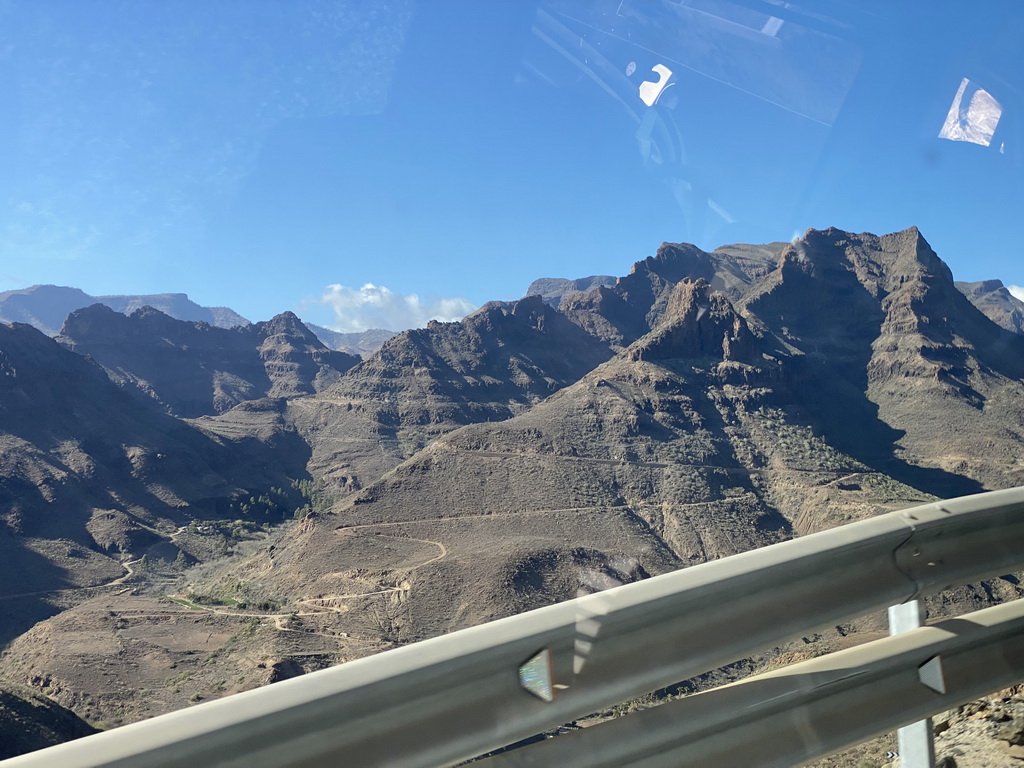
87,320
532,312
818,252
289,324
688,298
153,319
530,306
194,368
100,321
296,361
674,261
698,322
986,286
913,255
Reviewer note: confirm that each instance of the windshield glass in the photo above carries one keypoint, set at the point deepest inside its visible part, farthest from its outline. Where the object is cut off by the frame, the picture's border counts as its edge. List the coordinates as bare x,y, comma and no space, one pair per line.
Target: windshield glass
330,326
276,156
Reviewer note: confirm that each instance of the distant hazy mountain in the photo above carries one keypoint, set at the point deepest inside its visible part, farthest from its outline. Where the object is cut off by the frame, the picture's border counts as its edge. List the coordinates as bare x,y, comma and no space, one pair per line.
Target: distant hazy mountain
552,289
178,306
363,343
46,306
42,306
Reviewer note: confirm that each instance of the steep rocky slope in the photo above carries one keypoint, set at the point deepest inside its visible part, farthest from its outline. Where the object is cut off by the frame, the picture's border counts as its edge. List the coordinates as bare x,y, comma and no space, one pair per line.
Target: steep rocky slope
622,313
89,474
900,369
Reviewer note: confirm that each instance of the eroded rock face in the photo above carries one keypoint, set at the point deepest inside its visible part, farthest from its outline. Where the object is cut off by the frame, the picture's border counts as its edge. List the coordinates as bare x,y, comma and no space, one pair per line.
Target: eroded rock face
295,360
698,323
554,289
895,362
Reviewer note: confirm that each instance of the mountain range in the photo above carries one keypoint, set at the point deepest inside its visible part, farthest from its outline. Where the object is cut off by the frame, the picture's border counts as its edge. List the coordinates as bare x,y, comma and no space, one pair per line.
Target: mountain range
593,433
45,307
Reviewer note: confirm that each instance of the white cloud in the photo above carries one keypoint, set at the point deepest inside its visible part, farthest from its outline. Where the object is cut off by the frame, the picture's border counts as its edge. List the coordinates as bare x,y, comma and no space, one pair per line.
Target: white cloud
377,306
1017,291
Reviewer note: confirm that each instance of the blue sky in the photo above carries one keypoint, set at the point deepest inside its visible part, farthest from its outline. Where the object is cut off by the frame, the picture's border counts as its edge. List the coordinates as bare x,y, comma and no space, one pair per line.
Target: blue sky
270,155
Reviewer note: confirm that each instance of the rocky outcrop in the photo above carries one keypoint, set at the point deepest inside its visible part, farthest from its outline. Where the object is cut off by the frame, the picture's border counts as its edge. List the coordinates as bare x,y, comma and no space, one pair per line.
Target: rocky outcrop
697,323
895,363
295,361
622,313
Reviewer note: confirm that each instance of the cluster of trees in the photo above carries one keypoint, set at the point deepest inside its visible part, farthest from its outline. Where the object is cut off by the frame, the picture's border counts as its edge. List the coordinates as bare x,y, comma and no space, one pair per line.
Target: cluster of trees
273,506
315,497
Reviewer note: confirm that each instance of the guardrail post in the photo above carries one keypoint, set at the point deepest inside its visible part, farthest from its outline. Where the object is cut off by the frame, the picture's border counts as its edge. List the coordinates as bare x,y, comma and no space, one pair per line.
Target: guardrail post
916,746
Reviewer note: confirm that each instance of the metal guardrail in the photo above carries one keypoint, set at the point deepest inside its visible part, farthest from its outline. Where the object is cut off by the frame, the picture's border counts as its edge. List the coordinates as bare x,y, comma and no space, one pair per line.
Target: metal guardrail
451,698
805,710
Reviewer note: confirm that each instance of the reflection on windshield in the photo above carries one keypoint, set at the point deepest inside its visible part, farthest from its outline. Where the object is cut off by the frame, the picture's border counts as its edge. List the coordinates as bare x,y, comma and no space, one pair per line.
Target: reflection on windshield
973,116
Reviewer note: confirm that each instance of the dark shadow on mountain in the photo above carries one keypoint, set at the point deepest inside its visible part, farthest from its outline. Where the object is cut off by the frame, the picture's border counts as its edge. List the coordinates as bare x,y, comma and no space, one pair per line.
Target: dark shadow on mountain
25,571
22,599
845,417
20,614
818,304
